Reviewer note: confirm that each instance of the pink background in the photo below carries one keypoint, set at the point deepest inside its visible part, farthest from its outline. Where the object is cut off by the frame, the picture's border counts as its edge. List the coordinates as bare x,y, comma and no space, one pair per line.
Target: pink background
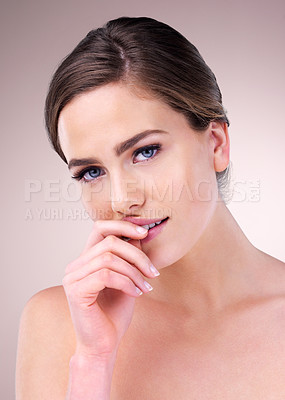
243,43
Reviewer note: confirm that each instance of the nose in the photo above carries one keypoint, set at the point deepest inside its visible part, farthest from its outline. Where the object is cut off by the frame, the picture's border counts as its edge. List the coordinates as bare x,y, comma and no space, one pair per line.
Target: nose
127,195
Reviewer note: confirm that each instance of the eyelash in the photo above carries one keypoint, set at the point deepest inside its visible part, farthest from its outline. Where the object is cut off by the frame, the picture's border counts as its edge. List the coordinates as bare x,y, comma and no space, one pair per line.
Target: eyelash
80,175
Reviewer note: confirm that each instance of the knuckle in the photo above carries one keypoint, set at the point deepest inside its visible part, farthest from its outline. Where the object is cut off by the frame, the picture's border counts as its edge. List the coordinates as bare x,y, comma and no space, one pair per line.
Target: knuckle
135,273
105,274
111,240
128,283
107,257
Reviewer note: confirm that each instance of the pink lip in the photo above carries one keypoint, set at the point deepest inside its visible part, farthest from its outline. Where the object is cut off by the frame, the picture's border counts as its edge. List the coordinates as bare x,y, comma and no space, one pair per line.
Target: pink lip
153,232
141,221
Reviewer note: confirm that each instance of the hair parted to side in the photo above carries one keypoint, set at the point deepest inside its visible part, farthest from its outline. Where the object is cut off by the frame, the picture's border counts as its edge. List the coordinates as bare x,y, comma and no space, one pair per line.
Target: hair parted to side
149,54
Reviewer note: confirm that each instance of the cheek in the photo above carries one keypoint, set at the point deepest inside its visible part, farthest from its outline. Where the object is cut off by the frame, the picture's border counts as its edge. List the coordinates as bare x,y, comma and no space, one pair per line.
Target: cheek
190,221
199,180
195,194
96,201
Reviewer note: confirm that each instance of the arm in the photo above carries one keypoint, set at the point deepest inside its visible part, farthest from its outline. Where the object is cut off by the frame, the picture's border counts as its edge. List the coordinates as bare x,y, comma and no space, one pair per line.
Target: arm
69,338
46,346
47,367
89,379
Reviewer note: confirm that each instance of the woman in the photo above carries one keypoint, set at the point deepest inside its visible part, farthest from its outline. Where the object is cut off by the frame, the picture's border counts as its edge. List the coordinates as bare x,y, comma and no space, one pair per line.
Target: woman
186,308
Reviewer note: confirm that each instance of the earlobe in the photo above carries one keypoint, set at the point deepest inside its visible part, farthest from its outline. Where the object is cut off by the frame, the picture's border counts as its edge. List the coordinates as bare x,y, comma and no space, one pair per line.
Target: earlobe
220,135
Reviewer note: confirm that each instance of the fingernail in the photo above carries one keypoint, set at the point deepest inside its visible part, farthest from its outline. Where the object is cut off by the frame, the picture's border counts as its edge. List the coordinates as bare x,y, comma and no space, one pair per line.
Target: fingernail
147,285
139,291
126,239
140,229
154,271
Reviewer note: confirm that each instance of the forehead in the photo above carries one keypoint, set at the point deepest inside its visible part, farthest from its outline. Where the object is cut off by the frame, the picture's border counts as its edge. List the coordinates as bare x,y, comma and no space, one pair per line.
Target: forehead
110,114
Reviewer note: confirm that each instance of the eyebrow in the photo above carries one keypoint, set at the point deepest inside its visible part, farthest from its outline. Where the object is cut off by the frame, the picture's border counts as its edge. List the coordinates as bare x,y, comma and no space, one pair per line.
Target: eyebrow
118,149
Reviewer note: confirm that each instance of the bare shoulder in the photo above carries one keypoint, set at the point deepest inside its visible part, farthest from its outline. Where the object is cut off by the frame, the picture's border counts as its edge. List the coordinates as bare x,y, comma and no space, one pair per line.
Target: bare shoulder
270,283
52,300
273,273
46,344
47,309
275,270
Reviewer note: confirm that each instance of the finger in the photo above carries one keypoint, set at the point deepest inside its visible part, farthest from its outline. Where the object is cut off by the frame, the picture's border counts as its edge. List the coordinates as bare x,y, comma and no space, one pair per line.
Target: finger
129,251
103,228
137,243
90,287
112,262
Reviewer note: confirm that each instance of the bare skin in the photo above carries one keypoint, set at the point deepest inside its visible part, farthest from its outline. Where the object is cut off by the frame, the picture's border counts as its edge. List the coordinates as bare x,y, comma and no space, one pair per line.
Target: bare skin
236,352
213,325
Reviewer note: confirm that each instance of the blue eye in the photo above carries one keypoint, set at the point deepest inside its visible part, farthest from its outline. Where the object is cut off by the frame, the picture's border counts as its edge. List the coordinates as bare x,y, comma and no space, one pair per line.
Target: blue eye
93,174
148,151
90,174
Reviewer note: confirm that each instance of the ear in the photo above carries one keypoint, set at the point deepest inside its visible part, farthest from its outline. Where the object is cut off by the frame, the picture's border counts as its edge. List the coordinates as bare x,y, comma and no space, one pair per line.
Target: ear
221,144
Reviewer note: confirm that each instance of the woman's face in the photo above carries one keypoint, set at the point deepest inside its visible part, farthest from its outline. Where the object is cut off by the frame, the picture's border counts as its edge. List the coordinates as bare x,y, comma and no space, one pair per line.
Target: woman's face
169,172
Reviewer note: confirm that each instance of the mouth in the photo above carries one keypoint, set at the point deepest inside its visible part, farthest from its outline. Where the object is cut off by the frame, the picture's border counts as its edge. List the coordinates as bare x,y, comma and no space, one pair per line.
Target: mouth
153,230
151,226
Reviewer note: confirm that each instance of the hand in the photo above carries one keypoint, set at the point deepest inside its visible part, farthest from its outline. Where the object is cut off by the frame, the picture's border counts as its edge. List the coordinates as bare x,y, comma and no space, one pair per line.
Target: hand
102,284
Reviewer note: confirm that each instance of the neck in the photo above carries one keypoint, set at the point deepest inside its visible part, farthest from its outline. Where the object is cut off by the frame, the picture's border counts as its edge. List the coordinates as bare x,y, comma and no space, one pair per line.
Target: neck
218,271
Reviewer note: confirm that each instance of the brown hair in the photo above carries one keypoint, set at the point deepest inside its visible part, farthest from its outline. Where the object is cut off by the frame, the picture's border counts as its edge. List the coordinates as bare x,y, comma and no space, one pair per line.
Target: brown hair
150,54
